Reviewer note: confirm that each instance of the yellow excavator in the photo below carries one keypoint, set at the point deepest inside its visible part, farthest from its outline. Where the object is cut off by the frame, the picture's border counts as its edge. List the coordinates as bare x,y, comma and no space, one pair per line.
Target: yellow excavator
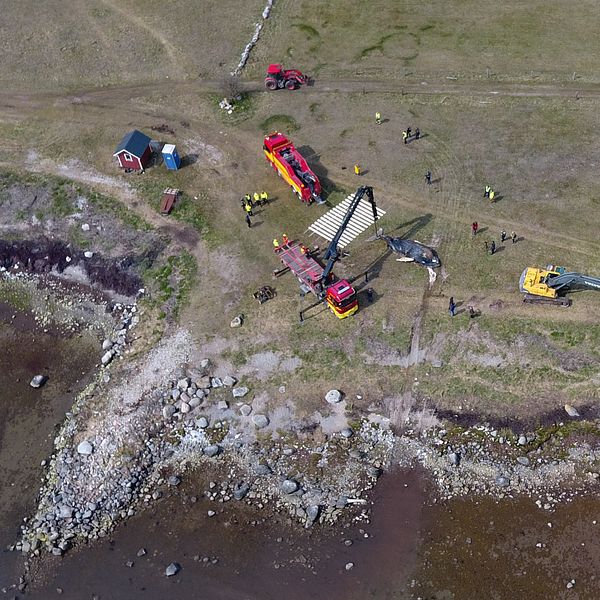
544,286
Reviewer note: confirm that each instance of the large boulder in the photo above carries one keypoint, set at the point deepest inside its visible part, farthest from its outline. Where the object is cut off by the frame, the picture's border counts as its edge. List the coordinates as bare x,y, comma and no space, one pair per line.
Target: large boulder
38,381
172,569
212,450
85,448
289,486
260,421
240,490
333,396
168,411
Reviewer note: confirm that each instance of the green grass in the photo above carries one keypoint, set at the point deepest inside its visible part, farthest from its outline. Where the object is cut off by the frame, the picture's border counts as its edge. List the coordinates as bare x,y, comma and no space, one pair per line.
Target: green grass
283,123
378,47
62,198
171,283
15,294
113,207
308,30
77,237
188,210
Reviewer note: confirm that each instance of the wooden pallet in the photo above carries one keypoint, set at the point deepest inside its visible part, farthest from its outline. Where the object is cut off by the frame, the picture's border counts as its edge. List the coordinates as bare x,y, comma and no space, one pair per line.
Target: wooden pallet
168,200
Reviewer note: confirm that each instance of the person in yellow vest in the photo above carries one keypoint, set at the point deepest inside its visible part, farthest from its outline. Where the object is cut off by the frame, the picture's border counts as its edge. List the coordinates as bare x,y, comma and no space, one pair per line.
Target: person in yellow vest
264,198
378,118
357,169
492,195
488,189
276,243
248,208
285,239
256,198
405,136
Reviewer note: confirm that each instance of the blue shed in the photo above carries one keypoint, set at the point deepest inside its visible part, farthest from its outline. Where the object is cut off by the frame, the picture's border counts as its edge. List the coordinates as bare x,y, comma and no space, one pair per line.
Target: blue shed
170,156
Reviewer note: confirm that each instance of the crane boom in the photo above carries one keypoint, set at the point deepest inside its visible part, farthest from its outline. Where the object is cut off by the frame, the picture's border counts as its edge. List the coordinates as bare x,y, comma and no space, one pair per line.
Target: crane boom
331,254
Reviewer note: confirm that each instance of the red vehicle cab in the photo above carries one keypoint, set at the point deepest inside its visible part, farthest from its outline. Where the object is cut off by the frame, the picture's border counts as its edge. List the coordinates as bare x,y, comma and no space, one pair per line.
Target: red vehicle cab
342,299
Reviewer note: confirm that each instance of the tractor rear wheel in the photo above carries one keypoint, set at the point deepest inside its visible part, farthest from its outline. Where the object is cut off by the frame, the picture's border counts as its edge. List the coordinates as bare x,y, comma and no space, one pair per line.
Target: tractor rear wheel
270,83
290,84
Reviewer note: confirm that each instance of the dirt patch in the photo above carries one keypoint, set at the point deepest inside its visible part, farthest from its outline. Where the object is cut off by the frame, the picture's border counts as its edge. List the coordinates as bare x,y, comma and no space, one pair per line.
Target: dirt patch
263,365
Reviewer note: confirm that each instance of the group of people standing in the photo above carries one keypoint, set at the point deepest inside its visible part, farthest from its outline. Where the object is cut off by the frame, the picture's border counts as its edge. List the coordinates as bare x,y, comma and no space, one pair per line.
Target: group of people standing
250,201
491,246
489,193
408,135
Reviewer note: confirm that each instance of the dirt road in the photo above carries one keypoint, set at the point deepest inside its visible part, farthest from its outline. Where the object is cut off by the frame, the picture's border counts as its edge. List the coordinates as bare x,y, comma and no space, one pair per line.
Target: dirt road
114,94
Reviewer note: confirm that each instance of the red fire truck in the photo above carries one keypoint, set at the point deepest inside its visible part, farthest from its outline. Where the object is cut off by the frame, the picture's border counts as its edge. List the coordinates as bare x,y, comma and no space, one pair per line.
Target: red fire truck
292,166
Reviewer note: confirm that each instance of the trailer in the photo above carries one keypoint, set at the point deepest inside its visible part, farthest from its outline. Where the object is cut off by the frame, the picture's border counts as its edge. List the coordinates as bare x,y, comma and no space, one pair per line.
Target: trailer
292,167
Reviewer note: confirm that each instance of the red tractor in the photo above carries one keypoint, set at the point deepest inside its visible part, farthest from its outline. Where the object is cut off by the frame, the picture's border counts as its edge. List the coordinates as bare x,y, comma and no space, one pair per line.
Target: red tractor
277,78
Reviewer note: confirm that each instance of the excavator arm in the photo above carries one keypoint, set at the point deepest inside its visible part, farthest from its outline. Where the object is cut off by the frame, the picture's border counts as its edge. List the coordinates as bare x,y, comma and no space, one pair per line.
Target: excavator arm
571,280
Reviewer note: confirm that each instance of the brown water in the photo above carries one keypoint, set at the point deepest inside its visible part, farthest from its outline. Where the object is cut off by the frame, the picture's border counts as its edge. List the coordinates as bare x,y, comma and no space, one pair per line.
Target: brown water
486,549
29,417
252,563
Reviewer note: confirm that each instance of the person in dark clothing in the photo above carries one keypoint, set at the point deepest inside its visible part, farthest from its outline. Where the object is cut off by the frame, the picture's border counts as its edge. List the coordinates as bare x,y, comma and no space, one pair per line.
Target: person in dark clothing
428,177
492,247
408,132
471,312
502,235
417,133
248,221
513,237
370,294
487,246
451,306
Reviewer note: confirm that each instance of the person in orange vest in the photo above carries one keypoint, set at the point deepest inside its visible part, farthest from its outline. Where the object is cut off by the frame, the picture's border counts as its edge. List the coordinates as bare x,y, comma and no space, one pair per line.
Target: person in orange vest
304,249
285,239
275,243
357,169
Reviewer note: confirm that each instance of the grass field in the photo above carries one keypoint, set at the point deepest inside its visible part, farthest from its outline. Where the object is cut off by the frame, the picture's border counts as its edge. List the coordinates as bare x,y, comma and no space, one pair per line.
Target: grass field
534,142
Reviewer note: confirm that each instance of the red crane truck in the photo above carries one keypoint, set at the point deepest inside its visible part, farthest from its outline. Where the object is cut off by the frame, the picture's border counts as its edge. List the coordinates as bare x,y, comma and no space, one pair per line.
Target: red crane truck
339,294
291,165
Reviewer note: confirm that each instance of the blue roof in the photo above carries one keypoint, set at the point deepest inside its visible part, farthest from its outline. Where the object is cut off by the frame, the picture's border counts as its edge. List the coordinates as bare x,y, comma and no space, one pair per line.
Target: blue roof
135,142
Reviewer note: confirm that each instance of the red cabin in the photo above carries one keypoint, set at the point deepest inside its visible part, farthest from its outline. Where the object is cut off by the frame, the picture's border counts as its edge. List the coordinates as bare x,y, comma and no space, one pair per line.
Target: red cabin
134,151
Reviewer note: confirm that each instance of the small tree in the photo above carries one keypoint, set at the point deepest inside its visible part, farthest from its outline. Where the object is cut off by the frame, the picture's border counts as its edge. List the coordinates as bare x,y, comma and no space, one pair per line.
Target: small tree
230,86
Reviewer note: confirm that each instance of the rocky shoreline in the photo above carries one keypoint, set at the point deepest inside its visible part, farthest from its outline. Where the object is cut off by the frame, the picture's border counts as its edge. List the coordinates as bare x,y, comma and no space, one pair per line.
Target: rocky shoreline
148,421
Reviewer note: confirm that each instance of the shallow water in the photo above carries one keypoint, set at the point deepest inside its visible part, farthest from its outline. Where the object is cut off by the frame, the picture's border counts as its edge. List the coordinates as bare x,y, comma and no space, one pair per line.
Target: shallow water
29,417
252,563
